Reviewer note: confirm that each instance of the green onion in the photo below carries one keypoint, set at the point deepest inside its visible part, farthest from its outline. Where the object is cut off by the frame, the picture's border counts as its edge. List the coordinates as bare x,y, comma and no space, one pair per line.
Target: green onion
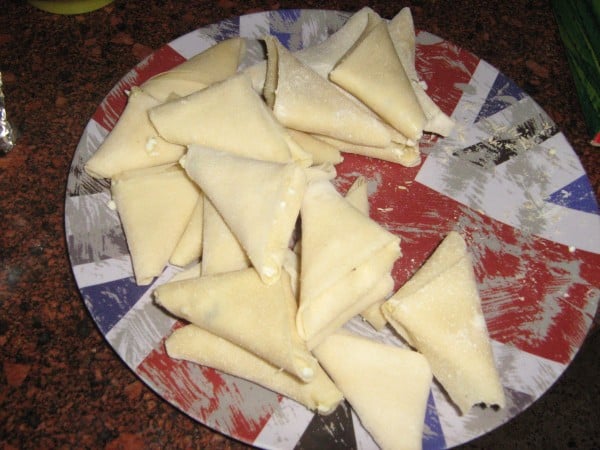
579,28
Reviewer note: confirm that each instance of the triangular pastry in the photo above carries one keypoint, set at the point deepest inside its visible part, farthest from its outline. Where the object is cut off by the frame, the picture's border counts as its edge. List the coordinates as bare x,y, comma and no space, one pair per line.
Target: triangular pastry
402,33
194,344
372,72
305,101
344,255
189,247
336,238
229,116
387,386
324,56
438,312
259,201
133,143
222,251
213,64
240,308
155,205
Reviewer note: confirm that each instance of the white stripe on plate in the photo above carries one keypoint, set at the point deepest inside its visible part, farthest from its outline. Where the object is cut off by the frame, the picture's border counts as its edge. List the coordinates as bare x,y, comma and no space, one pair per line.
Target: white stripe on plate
285,427
254,26
105,271
523,371
192,43
468,107
364,441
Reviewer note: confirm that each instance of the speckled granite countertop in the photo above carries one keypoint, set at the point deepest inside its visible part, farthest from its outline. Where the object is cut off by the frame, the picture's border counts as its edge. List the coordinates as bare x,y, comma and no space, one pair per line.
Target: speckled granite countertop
61,385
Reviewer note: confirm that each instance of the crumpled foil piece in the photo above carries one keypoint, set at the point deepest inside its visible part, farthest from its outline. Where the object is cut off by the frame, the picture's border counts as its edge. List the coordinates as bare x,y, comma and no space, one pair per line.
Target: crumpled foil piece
7,135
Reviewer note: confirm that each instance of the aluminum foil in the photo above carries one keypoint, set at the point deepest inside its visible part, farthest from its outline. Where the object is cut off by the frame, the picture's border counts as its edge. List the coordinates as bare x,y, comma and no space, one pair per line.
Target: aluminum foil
7,135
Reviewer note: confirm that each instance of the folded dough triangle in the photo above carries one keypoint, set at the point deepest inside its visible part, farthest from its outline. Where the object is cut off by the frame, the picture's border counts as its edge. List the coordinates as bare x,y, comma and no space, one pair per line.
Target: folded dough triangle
194,344
189,247
346,262
213,64
155,205
229,116
303,100
259,201
336,239
222,251
438,312
386,386
324,56
402,33
372,72
240,308
133,143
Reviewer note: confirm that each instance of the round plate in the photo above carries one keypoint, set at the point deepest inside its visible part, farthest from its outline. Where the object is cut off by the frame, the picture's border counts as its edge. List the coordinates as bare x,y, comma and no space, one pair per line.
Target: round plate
506,179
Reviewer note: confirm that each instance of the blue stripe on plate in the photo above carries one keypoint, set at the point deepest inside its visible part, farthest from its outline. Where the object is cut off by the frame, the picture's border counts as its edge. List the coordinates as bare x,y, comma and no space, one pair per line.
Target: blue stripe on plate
433,435
109,302
503,93
577,195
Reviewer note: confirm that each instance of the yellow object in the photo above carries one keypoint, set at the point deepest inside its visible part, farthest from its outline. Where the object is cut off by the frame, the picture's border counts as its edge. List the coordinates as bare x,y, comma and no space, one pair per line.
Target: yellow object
69,6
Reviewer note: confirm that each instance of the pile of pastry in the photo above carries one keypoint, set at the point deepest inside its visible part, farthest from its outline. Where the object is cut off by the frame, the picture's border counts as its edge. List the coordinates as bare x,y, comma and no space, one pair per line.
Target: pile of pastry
228,174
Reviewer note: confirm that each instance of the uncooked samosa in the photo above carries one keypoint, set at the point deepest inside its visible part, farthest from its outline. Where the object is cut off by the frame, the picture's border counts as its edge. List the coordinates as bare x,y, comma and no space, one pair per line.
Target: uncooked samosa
372,72
305,101
213,64
402,33
240,308
438,312
387,386
229,116
259,201
133,143
345,254
155,205
323,56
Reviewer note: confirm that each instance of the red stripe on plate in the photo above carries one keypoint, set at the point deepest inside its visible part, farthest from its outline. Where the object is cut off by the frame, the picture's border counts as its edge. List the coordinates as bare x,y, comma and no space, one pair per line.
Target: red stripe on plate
114,103
204,394
456,65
